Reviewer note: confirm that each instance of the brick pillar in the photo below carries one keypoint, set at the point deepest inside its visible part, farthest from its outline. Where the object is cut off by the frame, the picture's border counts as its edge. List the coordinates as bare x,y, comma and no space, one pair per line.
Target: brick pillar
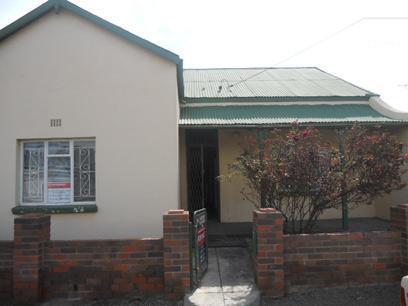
268,255
399,222
31,234
176,254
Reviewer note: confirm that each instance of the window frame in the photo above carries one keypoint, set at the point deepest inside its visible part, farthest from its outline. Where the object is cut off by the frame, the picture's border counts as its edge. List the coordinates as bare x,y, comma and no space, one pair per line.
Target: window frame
46,155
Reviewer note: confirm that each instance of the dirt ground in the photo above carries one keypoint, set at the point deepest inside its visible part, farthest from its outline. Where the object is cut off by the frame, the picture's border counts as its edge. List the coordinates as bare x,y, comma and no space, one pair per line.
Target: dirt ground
386,295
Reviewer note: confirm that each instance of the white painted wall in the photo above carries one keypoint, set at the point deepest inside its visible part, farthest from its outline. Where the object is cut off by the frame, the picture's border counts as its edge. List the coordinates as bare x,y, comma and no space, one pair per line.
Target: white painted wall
102,86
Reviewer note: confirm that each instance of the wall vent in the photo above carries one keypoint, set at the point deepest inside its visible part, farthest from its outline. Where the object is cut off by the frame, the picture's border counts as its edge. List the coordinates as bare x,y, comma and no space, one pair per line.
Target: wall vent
55,122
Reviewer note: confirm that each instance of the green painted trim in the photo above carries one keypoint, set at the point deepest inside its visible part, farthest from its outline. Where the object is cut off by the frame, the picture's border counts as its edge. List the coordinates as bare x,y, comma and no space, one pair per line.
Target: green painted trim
190,100
63,4
180,80
120,31
283,115
57,5
26,19
54,209
286,125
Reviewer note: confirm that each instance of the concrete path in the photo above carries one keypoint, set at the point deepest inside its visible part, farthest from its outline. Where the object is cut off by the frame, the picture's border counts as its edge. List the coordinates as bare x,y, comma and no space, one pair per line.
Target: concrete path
229,234
228,281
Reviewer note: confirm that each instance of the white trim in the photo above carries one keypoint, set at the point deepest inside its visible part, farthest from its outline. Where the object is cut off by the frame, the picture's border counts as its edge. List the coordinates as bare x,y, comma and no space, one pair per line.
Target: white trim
45,172
383,108
21,187
71,150
197,104
45,181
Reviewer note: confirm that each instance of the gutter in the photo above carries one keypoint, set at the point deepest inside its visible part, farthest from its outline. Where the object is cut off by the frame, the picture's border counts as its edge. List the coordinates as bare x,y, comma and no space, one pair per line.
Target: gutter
384,109
220,104
287,125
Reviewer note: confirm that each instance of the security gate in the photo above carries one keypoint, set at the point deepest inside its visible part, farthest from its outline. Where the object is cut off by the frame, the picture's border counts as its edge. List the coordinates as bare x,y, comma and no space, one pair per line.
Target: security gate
199,247
195,178
202,171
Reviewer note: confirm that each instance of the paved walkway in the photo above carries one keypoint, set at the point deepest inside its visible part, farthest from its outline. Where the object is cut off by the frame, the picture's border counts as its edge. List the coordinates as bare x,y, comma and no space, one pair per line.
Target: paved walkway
228,281
229,234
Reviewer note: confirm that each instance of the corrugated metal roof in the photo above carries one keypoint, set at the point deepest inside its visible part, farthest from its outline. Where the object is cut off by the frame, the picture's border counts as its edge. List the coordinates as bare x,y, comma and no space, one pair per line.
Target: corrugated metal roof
296,83
324,114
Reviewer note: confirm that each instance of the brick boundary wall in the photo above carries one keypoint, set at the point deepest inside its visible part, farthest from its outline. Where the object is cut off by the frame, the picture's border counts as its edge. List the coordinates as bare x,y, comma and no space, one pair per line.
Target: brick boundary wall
103,269
176,247
6,270
285,263
341,259
31,236
268,255
399,223
33,268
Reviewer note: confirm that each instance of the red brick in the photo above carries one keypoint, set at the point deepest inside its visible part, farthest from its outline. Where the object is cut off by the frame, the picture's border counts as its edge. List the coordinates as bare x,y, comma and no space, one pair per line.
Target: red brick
176,257
268,260
31,234
362,260
102,259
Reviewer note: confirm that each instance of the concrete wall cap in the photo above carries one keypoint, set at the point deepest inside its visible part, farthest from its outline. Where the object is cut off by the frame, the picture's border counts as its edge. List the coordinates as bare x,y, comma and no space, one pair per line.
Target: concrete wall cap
267,210
177,212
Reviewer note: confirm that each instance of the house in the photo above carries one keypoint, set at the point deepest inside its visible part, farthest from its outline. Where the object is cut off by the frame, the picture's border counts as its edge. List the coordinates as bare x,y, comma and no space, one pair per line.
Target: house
221,106
89,124
105,131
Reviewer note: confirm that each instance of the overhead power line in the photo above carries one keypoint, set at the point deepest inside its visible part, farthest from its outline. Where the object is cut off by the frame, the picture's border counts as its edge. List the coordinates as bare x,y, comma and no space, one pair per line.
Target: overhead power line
320,41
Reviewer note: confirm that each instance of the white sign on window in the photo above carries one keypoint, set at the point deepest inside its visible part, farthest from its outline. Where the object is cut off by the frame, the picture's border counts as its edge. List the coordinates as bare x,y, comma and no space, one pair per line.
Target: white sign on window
59,192
59,179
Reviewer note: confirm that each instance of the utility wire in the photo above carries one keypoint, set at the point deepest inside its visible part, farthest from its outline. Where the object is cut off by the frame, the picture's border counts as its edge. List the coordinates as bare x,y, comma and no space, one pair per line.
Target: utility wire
336,33
328,37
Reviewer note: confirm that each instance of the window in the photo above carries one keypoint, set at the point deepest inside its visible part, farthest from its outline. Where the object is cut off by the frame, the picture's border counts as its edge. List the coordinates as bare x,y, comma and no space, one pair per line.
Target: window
58,172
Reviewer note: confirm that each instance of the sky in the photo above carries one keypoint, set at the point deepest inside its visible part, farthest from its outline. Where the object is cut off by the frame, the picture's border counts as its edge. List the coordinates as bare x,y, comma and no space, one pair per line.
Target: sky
364,42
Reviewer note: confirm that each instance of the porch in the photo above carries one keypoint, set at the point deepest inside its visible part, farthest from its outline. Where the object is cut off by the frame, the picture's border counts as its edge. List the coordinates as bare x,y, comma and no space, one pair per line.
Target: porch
205,153
222,106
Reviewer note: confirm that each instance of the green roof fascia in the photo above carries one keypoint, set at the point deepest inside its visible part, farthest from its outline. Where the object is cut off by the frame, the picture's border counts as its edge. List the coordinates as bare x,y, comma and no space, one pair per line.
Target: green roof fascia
190,100
180,80
59,4
26,19
63,4
283,115
288,125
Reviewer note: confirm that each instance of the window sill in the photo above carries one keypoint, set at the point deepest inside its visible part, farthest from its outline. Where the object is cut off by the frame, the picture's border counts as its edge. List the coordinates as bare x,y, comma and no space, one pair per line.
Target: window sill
55,209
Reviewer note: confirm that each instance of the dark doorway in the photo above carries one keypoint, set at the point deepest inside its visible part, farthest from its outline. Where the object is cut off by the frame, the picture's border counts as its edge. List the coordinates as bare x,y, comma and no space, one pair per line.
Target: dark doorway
202,171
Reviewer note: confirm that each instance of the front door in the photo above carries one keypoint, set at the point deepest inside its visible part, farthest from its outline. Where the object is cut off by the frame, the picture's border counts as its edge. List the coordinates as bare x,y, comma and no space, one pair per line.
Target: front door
202,171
